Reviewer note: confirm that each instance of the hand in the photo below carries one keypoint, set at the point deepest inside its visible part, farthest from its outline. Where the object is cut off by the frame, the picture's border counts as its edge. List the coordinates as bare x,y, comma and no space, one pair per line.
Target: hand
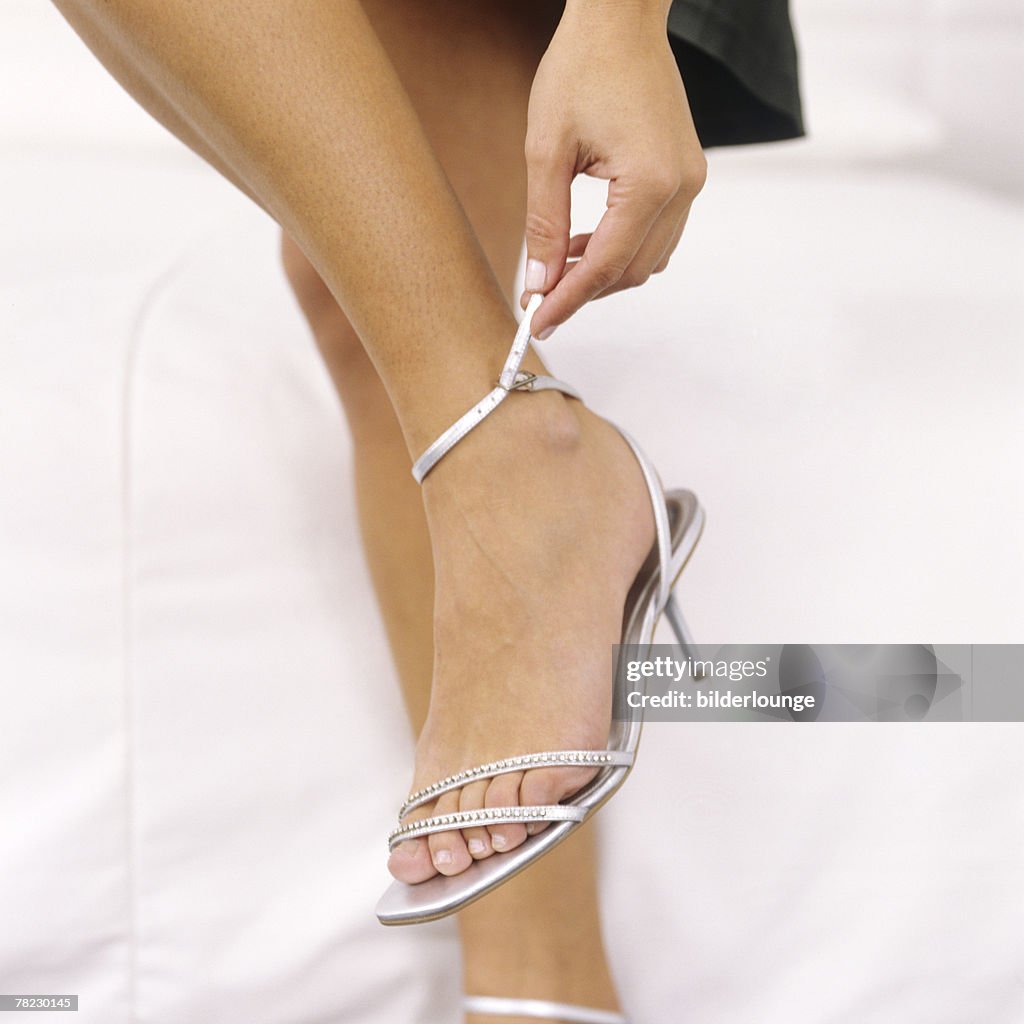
607,101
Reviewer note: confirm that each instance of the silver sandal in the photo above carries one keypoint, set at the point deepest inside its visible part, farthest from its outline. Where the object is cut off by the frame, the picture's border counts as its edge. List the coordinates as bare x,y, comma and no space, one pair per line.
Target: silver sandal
492,1006
679,520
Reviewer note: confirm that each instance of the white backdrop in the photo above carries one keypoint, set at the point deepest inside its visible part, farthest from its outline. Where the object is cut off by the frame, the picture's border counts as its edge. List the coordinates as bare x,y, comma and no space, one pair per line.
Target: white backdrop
201,742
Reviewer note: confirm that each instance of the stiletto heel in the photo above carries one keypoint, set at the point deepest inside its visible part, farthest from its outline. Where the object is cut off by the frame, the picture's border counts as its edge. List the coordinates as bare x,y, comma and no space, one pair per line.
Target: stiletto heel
684,638
678,522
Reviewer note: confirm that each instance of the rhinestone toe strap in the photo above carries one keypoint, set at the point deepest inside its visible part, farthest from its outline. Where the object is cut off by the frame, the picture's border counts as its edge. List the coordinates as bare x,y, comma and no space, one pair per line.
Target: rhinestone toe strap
484,816
525,762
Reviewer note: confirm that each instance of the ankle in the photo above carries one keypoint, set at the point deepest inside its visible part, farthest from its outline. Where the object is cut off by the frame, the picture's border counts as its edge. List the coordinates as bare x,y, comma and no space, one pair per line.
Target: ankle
543,424
590,986
556,956
526,433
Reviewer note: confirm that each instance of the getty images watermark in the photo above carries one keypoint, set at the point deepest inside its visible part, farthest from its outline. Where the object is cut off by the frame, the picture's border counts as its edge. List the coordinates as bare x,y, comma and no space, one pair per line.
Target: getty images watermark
704,671
820,682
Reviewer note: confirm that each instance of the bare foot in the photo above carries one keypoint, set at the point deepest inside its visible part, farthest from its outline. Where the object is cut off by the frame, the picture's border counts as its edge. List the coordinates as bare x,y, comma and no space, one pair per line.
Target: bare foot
539,523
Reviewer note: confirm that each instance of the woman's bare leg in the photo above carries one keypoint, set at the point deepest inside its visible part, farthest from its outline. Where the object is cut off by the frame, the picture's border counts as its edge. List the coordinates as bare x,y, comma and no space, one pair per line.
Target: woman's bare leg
536,528
301,105
540,935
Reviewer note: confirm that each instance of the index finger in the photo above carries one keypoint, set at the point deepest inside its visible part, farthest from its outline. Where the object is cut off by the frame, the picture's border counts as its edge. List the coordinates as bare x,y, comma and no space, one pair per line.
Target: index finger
616,240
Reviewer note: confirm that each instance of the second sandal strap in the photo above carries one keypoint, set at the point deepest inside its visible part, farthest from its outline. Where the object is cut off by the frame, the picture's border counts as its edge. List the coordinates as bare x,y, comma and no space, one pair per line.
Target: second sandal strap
495,1006
511,379
519,815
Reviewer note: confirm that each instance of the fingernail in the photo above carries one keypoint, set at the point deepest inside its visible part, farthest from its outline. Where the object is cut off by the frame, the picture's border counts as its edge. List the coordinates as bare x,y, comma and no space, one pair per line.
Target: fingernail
499,842
536,274
477,846
533,828
546,333
443,857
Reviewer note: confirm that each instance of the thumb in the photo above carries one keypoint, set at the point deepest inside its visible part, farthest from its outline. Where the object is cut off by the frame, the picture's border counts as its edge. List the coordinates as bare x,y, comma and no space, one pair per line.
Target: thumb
548,182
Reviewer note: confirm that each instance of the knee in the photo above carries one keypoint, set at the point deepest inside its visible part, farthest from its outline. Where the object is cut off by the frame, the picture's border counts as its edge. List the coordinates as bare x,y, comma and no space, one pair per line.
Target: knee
330,326
314,297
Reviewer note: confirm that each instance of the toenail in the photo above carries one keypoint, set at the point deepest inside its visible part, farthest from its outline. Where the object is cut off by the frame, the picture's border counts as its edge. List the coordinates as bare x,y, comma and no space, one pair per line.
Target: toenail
442,857
409,849
477,846
499,842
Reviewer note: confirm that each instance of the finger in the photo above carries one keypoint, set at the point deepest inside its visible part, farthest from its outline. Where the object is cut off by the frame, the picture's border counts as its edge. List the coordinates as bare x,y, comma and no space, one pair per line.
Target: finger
658,246
611,249
578,243
548,183
662,264
673,241
577,246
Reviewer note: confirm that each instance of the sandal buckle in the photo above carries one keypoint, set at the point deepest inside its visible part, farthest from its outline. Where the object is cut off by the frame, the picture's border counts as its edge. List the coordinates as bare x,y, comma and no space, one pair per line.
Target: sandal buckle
523,381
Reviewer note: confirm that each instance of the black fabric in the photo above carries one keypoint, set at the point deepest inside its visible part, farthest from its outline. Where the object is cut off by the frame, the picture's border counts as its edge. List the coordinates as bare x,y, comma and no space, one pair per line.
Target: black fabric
738,60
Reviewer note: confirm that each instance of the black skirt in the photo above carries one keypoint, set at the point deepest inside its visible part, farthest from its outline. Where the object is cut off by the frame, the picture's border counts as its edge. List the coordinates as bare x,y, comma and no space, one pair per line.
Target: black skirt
738,61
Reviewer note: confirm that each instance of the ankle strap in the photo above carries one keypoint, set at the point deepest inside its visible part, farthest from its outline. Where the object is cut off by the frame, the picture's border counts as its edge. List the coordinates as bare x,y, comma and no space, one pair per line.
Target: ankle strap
511,379
493,1006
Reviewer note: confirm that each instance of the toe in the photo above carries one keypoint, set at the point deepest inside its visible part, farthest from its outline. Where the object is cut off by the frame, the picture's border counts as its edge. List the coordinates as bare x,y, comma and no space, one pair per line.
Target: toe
503,791
551,786
478,840
410,862
448,849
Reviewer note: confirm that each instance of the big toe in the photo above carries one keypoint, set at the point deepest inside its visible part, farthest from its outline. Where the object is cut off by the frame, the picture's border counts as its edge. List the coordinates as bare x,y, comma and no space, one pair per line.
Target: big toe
410,862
